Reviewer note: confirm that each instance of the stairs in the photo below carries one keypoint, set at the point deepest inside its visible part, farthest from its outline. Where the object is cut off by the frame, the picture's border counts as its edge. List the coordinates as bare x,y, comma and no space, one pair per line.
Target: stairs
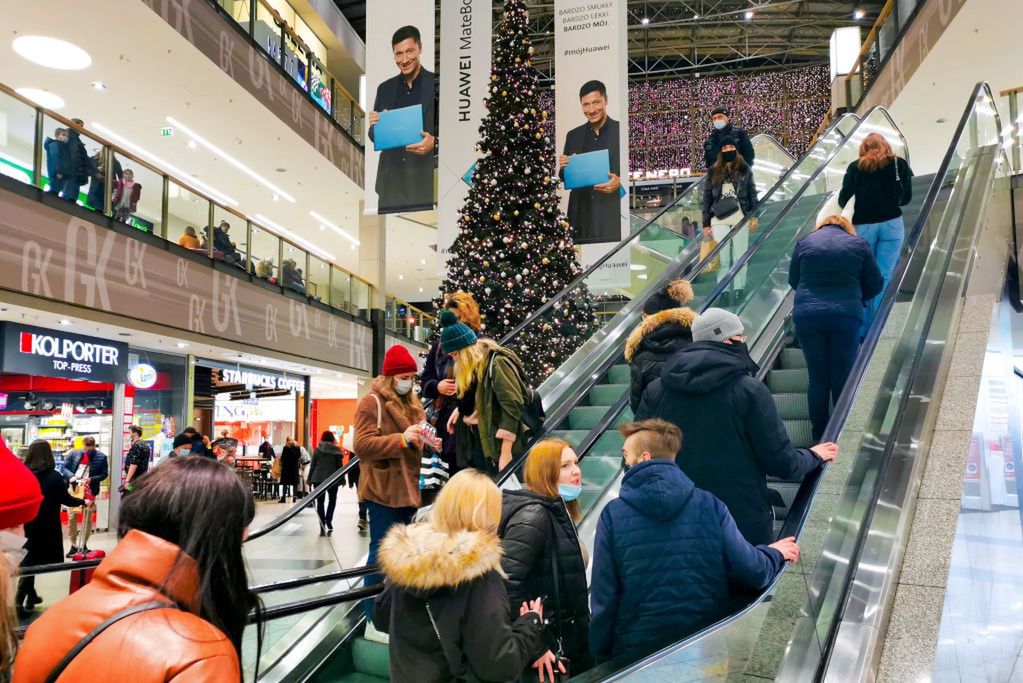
365,661
787,381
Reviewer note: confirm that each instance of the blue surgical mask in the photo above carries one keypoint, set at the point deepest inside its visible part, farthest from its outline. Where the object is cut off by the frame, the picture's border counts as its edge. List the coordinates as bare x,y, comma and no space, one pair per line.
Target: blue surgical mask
569,492
719,124
403,386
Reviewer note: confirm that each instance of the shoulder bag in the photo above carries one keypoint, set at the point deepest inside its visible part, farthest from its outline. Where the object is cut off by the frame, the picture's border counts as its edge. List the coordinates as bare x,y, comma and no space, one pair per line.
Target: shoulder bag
533,415
726,205
103,626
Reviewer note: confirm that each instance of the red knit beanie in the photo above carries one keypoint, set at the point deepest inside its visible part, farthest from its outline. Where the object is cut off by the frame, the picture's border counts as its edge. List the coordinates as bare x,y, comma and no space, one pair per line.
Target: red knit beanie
398,361
19,495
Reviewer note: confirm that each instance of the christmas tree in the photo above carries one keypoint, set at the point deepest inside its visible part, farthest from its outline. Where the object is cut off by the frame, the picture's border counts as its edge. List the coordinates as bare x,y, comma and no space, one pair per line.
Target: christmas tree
514,251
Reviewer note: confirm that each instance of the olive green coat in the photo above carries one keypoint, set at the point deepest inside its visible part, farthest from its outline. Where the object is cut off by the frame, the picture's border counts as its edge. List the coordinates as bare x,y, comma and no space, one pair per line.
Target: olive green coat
500,401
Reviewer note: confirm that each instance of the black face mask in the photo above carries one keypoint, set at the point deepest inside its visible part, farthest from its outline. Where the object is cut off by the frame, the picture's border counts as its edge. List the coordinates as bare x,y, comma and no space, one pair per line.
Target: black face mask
729,156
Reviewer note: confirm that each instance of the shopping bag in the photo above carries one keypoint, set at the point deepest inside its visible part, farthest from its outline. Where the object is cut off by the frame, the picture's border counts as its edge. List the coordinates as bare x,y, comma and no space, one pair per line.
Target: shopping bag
706,246
831,208
80,577
275,469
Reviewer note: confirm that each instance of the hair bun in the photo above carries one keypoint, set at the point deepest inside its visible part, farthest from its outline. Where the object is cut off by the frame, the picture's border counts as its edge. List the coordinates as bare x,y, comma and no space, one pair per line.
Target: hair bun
447,317
681,291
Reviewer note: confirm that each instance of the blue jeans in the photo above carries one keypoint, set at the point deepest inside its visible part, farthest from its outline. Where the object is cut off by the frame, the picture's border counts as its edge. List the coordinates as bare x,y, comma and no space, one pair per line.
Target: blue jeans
829,344
381,519
885,240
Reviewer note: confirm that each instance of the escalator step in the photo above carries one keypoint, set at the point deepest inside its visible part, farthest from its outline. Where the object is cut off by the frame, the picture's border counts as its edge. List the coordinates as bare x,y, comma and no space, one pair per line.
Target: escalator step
585,417
608,444
606,394
792,381
573,436
358,677
800,432
792,358
619,374
598,470
792,406
371,658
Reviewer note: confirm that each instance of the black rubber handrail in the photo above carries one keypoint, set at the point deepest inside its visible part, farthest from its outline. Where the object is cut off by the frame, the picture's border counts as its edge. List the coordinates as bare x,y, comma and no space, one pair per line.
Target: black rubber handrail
288,584
290,609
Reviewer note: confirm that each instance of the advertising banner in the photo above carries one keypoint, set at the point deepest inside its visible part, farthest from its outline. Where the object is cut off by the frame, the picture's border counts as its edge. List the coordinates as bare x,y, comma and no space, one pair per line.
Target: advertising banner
465,50
54,353
592,115
400,76
45,252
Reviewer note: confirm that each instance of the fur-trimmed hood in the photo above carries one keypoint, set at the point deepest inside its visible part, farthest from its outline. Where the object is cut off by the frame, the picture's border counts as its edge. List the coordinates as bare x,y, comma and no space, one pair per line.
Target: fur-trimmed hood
682,317
422,560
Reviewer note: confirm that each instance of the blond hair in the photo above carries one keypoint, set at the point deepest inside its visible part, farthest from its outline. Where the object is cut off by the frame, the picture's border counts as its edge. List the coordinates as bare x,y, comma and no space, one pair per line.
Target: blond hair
470,501
8,619
542,470
840,221
659,438
411,406
467,309
469,364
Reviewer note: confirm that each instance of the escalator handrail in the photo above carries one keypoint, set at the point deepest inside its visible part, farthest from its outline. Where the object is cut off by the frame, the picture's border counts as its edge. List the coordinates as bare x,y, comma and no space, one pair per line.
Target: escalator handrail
342,575
581,278
794,524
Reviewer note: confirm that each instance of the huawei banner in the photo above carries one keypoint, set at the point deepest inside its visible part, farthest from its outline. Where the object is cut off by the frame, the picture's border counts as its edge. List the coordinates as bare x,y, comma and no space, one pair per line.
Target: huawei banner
465,49
591,119
401,93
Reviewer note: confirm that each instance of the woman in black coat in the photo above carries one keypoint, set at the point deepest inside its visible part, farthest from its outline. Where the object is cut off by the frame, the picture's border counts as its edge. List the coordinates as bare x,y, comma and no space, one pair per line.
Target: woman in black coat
44,536
327,459
729,195
539,537
665,329
291,459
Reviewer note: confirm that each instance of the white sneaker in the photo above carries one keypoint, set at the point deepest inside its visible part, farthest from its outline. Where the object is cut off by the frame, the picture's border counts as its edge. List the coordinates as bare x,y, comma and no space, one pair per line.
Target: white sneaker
376,636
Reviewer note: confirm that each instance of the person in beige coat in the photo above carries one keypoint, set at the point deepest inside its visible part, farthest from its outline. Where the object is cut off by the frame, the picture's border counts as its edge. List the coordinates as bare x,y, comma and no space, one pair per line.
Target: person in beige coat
388,441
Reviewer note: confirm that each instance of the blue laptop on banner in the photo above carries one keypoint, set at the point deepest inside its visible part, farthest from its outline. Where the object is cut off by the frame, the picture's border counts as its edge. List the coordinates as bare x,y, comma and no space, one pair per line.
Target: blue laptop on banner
398,128
588,169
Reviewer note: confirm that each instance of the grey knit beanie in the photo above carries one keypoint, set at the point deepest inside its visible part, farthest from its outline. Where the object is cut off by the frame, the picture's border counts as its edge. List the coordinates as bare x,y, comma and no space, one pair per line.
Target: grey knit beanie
716,324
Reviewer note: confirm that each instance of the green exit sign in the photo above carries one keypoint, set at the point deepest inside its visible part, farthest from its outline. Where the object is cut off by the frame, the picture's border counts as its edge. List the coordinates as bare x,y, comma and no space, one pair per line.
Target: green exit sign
166,132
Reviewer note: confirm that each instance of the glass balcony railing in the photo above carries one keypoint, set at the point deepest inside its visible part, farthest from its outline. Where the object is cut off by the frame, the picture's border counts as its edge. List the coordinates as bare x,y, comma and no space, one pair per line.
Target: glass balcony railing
177,211
406,320
285,47
882,39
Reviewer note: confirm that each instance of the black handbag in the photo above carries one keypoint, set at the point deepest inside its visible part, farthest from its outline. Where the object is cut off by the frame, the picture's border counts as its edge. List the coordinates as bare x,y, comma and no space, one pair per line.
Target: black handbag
725,206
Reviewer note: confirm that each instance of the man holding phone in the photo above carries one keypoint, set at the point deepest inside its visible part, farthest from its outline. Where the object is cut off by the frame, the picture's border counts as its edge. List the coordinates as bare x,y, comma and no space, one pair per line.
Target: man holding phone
405,176
595,212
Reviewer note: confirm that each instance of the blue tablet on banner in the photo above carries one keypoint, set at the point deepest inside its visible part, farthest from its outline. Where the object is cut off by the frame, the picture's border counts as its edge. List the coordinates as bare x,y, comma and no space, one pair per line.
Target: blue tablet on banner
588,169
398,128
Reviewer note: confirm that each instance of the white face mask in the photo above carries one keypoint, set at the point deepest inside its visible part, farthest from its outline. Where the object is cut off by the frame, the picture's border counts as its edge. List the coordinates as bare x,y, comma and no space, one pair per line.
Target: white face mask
12,550
719,124
403,386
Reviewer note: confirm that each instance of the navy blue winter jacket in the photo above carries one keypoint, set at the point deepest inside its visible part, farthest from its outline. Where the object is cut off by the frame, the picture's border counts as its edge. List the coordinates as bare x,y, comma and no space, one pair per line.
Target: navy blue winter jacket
834,274
668,561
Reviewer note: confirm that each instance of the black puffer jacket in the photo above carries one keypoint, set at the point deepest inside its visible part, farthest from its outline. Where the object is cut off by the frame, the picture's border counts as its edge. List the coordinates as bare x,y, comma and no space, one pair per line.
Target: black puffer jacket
652,343
732,436
526,521
457,578
327,459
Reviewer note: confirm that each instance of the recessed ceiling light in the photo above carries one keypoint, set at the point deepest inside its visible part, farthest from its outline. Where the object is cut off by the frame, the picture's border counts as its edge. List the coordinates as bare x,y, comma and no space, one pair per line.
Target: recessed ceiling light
44,98
65,322
423,261
401,277
276,198
192,145
323,227
181,345
52,52
645,20
98,85
420,289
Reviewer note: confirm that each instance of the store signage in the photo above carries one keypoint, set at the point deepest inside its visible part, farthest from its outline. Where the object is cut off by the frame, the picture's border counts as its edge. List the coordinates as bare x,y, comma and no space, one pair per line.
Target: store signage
51,353
142,376
266,410
166,132
661,174
251,378
3,401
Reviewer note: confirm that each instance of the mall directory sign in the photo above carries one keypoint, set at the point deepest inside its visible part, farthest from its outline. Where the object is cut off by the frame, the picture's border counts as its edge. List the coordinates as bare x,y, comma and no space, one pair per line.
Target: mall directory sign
55,353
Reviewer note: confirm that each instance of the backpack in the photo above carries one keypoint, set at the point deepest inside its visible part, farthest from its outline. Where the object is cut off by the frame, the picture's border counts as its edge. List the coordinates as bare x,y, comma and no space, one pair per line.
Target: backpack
533,415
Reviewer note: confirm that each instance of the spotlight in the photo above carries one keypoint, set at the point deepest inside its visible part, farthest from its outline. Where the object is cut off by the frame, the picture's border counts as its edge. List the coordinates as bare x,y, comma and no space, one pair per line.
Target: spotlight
80,407
748,14
859,14
645,20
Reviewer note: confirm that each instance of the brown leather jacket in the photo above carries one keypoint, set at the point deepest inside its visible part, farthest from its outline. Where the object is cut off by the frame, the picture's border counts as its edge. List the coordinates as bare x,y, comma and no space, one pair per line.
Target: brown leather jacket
389,474
159,645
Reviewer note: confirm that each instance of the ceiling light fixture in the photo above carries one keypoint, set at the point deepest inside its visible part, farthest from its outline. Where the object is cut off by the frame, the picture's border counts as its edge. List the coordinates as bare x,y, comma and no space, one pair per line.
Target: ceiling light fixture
52,53
645,20
401,277
44,98
303,242
859,14
124,142
192,145
65,322
335,228
229,159
98,85
181,345
748,14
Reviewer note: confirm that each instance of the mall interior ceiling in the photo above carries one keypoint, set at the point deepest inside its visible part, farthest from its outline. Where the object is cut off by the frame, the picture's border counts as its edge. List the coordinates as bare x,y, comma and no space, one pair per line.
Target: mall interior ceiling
693,38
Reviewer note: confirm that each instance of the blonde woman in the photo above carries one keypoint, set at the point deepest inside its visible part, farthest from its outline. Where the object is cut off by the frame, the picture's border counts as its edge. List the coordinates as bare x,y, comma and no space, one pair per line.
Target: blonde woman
539,538
389,444
491,397
834,273
444,583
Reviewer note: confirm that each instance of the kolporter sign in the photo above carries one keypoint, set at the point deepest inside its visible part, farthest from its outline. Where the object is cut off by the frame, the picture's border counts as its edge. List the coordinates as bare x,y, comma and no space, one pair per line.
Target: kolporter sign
52,353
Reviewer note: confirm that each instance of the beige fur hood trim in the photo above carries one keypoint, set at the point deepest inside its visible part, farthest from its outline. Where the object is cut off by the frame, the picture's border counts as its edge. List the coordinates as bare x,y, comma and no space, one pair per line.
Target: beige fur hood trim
679,316
418,557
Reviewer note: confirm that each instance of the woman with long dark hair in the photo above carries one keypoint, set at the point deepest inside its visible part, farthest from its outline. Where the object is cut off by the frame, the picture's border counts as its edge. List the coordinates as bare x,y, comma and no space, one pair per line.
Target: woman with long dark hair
180,555
881,184
327,459
728,197
45,539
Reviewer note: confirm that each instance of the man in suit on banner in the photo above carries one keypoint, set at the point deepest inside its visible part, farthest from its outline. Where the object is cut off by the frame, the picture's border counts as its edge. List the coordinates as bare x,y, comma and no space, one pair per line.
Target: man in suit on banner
595,212
405,176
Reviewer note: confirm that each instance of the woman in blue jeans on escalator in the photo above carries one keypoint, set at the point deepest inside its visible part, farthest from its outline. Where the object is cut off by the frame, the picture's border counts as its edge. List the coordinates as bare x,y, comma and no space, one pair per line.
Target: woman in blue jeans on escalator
834,273
881,184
